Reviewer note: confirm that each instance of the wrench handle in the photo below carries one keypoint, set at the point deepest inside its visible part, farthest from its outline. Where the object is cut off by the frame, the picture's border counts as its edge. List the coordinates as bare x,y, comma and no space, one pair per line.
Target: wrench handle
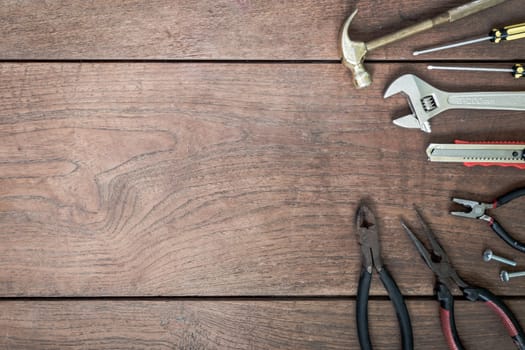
509,101
447,17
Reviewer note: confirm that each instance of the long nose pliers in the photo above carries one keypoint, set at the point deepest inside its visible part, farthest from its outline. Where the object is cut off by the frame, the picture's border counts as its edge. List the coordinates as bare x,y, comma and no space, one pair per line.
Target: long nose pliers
438,261
367,233
478,210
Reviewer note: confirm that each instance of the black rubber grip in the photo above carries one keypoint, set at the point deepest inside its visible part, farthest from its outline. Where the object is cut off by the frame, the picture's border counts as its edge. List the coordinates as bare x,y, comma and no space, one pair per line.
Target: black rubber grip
500,231
403,318
504,235
362,310
510,196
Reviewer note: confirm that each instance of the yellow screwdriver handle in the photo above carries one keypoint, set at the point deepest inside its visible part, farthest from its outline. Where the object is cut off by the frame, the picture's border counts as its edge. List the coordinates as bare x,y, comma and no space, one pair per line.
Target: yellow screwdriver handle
513,32
518,71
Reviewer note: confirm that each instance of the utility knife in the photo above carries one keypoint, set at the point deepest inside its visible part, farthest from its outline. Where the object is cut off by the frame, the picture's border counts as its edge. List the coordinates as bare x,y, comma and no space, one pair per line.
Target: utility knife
506,154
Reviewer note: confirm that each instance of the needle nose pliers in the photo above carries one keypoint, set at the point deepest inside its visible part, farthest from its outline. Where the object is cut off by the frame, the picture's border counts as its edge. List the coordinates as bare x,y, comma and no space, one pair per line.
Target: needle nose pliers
479,211
438,261
367,233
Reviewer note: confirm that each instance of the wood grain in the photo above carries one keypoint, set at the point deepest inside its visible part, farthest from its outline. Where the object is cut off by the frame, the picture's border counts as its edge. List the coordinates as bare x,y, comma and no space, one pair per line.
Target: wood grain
235,30
147,150
229,179
237,324
175,324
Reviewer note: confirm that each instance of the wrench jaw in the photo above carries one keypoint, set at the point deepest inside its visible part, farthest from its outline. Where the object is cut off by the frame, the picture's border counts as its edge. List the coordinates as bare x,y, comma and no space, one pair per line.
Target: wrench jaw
424,100
412,122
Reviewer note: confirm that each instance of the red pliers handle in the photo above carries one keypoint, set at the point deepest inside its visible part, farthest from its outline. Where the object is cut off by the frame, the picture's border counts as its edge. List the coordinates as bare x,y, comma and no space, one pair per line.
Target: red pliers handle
438,261
448,324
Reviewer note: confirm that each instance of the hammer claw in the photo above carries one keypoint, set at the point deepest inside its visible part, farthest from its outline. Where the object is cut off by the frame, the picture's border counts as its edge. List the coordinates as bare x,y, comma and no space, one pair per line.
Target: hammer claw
353,55
353,52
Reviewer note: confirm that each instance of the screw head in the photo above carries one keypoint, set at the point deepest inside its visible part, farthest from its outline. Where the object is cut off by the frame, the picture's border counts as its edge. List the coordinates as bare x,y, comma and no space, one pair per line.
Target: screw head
487,255
504,275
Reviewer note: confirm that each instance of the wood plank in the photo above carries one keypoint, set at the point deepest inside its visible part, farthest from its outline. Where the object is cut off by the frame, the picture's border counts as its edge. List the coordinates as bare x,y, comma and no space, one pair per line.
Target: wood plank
174,324
242,29
229,179
242,324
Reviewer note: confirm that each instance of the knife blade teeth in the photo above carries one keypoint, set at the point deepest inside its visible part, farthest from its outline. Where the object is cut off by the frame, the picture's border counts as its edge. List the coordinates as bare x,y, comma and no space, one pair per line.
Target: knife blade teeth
480,159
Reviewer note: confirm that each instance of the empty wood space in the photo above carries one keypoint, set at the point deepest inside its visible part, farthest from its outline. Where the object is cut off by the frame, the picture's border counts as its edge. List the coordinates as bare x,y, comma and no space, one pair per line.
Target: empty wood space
185,174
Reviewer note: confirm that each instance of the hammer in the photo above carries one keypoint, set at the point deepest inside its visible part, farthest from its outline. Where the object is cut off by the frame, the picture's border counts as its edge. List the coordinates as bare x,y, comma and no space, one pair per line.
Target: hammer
354,52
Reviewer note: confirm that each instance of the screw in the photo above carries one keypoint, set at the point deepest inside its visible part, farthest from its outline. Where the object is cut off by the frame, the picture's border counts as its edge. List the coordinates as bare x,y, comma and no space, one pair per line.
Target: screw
488,255
506,276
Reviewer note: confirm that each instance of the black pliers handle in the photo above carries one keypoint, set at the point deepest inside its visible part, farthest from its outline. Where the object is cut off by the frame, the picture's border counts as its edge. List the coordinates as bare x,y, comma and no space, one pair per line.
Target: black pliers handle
448,323
367,233
396,297
479,209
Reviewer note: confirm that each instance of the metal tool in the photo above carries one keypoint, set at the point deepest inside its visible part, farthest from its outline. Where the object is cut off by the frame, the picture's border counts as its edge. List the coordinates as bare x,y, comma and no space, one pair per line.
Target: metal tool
438,261
496,35
506,276
506,154
478,210
517,70
489,255
426,101
353,52
367,232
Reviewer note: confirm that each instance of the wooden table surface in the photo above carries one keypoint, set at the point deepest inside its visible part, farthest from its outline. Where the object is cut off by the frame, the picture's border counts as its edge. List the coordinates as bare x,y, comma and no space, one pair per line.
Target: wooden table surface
184,174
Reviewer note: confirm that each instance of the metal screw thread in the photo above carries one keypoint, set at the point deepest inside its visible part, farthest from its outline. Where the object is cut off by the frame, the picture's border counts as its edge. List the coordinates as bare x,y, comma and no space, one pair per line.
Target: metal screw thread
504,260
489,255
516,274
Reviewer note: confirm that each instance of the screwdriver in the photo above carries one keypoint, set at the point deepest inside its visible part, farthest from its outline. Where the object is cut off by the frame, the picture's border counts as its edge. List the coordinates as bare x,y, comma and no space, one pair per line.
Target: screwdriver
496,35
517,70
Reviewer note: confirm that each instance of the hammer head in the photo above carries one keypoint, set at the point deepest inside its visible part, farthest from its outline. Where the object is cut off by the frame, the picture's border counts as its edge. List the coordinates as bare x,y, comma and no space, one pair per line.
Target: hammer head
353,54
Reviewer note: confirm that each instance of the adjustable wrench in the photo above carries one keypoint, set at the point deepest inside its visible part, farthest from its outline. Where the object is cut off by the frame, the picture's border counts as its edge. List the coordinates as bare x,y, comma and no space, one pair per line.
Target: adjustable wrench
427,101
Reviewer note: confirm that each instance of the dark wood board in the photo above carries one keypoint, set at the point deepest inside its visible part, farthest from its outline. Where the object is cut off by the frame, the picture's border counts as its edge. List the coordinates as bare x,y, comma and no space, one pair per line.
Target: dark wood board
235,324
185,174
237,30
230,179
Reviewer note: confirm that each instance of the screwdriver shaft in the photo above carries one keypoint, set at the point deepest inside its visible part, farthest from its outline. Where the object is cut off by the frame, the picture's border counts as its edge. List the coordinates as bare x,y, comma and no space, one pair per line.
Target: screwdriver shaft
472,69
449,46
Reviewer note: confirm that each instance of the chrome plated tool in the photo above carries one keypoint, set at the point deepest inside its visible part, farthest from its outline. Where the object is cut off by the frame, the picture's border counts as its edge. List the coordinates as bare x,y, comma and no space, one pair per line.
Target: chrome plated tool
480,211
353,52
496,35
426,101
517,70
488,255
507,276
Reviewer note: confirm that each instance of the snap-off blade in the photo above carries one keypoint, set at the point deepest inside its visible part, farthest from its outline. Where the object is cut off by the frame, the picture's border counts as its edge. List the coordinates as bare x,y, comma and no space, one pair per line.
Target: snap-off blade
486,153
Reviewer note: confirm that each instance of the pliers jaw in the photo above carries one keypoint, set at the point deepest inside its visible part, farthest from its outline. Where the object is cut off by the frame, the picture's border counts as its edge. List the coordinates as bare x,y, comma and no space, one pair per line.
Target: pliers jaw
438,261
368,235
477,209
436,258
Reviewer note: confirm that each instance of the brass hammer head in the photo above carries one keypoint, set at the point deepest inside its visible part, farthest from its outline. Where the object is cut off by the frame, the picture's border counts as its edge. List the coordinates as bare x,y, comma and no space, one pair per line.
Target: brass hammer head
353,55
